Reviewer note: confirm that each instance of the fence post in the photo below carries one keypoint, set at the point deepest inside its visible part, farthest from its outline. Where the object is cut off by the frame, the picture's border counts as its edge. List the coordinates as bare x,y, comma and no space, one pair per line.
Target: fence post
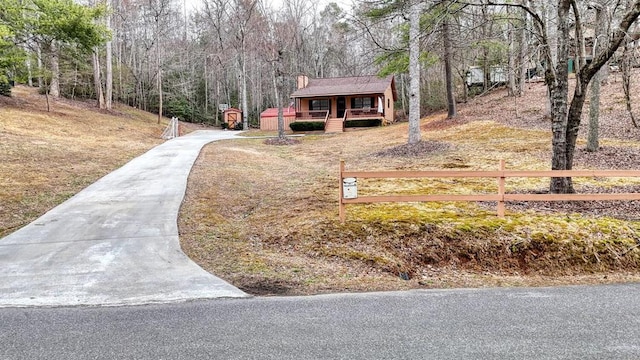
176,128
501,181
340,203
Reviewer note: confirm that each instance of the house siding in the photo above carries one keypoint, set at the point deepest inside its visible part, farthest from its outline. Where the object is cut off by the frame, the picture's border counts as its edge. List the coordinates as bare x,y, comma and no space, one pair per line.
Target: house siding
271,123
389,111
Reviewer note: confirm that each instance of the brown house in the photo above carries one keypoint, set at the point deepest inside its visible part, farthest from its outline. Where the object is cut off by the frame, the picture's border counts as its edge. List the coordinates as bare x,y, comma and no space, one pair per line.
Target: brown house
337,100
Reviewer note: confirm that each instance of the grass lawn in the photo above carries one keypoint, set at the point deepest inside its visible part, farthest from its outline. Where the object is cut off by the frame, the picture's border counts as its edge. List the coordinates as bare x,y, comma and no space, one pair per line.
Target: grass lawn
47,157
265,217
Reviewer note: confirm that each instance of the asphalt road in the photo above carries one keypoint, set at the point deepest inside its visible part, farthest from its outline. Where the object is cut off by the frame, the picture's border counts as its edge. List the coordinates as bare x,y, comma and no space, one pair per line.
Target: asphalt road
519,323
115,242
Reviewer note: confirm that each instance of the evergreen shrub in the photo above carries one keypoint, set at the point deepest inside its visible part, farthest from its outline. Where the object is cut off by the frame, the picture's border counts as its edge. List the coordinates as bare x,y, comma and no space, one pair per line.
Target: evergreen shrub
307,125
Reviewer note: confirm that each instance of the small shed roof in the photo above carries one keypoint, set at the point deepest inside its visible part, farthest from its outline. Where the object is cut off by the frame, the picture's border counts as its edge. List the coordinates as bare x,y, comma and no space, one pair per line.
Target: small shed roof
355,85
273,112
233,110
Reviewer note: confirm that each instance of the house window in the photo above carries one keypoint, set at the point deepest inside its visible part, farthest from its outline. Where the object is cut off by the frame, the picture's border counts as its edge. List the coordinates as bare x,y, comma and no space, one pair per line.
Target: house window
362,102
319,104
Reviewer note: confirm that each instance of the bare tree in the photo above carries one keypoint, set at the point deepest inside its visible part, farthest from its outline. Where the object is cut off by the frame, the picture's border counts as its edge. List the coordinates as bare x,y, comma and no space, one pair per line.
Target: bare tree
594,103
108,65
625,67
522,50
277,48
245,12
97,82
584,77
54,85
448,59
97,78
414,73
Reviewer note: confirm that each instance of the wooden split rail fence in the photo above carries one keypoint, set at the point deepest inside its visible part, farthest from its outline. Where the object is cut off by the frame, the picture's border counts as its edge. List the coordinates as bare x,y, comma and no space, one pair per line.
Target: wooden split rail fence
501,175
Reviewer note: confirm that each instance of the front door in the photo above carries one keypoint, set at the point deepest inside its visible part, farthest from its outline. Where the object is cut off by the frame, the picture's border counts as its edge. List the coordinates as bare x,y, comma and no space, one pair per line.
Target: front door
341,105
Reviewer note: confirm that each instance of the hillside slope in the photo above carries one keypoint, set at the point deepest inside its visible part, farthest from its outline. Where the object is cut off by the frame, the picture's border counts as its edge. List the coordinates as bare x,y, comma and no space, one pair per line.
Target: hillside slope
265,217
47,157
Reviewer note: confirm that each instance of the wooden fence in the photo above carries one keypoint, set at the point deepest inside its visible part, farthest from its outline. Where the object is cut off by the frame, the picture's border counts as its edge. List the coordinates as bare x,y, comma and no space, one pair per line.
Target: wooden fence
500,197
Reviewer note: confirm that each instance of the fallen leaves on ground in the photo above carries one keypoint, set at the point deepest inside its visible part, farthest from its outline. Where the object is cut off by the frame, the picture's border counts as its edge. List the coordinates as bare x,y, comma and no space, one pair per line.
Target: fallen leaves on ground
266,218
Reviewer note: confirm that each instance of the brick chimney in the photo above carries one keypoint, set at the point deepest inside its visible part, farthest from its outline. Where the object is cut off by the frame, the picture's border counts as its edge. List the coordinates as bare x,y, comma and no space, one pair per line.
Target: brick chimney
303,81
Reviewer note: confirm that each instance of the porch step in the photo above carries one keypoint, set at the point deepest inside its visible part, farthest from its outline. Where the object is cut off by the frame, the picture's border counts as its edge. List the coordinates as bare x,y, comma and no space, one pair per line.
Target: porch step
333,126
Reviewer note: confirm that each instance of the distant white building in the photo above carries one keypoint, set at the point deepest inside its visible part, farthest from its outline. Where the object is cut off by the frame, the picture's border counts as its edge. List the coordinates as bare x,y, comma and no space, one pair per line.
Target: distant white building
475,75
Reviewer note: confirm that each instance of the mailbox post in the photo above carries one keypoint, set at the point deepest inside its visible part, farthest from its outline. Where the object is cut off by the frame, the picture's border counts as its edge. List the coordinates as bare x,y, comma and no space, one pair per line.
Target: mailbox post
350,188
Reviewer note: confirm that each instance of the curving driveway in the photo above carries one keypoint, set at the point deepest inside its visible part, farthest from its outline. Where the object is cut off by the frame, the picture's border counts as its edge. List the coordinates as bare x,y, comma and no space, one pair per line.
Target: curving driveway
114,243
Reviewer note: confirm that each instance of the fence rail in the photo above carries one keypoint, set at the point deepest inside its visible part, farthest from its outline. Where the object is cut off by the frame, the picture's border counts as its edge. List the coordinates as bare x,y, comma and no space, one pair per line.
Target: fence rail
500,197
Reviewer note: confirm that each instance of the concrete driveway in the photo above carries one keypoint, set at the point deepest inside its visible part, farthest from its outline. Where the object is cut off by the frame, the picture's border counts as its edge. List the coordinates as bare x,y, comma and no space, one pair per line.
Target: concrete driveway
114,243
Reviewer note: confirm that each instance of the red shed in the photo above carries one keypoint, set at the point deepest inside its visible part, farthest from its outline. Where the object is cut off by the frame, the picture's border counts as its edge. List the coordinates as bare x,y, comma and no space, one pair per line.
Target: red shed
269,118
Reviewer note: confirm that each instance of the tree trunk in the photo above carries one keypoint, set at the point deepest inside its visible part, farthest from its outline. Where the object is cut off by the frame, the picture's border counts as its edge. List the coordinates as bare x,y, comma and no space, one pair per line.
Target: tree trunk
580,59
594,114
522,52
594,104
159,70
277,92
206,87
625,68
448,54
29,72
414,74
159,94
39,62
109,70
245,102
559,92
54,86
486,69
550,13
510,55
97,82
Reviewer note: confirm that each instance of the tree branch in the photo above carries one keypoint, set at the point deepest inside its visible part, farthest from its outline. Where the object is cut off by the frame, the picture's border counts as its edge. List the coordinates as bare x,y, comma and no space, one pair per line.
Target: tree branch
618,36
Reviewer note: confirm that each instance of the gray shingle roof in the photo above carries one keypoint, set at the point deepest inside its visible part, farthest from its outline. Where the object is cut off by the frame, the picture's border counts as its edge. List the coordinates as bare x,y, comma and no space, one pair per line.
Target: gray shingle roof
361,85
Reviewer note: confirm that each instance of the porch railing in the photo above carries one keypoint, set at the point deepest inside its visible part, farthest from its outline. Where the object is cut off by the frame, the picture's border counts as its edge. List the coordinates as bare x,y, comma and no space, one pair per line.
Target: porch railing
364,113
344,118
312,115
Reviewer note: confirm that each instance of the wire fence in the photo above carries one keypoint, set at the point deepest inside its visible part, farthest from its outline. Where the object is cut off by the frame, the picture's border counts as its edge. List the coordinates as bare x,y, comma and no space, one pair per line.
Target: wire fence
172,129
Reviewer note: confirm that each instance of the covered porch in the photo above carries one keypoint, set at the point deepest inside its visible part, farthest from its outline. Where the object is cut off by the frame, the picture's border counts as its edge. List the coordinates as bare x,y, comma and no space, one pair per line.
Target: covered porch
337,111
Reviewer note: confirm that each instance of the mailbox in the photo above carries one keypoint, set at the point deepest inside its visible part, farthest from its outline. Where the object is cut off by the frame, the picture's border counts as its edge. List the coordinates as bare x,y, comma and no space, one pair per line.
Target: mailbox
349,188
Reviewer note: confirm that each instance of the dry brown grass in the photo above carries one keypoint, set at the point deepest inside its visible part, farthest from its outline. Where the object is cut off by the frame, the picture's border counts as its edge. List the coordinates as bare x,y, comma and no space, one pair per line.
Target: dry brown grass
265,217
49,156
